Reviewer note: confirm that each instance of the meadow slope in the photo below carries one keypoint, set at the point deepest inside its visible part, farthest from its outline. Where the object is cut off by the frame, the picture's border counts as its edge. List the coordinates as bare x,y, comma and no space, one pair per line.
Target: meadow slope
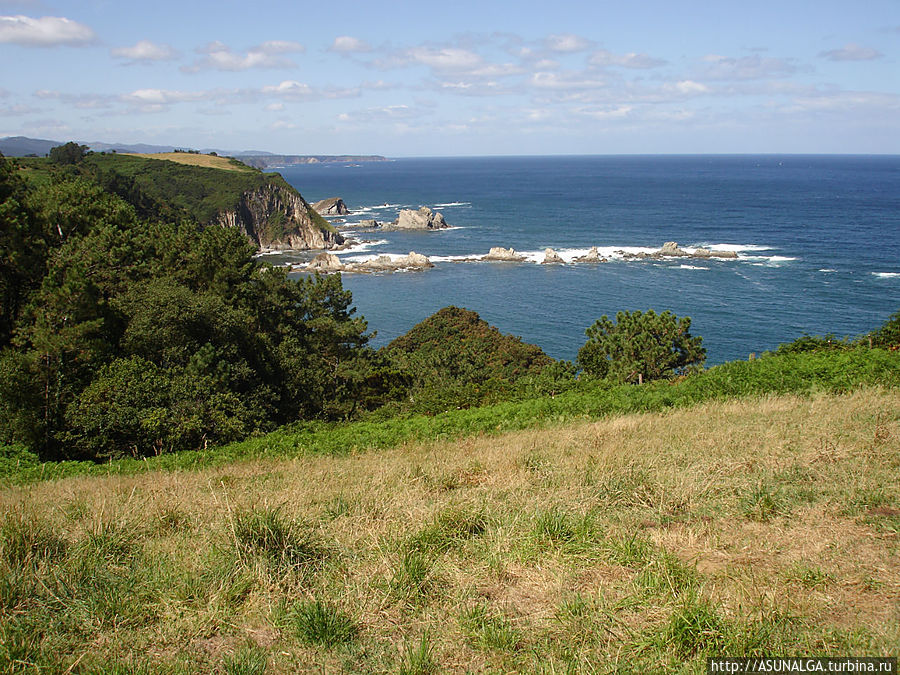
643,542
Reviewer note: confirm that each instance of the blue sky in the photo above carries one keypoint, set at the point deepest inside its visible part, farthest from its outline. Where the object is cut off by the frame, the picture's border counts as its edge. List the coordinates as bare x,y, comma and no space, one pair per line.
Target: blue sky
464,78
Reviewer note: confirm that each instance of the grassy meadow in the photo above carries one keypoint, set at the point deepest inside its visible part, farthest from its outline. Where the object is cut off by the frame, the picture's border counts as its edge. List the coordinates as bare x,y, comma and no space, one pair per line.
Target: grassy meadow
194,159
642,542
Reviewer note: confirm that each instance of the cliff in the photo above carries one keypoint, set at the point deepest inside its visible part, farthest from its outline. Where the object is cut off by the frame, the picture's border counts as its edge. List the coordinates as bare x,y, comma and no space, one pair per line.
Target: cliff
275,216
217,191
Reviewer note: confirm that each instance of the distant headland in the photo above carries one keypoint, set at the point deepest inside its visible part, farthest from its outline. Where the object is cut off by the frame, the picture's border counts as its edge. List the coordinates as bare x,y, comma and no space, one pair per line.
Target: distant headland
21,146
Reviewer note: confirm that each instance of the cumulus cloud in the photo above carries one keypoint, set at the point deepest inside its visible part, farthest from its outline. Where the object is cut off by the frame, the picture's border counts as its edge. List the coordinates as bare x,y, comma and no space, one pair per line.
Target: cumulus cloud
47,31
851,52
218,56
602,57
145,52
346,44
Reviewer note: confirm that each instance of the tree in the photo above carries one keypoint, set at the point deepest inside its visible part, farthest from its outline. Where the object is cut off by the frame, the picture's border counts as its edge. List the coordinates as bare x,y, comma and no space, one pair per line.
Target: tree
640,346
70,153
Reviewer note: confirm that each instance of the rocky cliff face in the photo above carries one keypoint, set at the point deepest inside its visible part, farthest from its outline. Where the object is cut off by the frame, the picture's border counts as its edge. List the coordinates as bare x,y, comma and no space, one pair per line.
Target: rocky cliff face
277,217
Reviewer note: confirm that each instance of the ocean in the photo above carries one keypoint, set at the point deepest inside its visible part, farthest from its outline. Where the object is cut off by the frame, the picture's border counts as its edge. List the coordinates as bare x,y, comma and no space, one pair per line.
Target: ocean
818,242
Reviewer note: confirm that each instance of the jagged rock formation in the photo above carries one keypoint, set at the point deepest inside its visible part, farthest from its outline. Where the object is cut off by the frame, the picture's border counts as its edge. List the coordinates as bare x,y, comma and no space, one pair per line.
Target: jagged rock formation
498,253
371,222
423,219
277,217
551,257
592,256
670,249
333,206
327,262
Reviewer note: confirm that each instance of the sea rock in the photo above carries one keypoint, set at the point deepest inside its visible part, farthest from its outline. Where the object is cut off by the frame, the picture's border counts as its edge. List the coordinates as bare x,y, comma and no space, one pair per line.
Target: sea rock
333,206
503,254
670,249
551,257
325,262
371,222
423,219
592,256
702,253
384,263
724,254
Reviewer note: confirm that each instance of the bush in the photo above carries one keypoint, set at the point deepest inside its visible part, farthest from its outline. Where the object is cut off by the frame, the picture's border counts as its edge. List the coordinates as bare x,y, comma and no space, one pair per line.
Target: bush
641,347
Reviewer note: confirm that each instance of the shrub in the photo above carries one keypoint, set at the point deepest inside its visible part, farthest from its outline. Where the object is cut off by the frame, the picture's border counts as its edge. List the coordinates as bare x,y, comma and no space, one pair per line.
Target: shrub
641,346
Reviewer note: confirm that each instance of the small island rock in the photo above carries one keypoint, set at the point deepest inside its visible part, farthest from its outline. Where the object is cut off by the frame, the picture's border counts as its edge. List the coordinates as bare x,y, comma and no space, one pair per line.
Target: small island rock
333,206
326,262
551,257
503,254
423,219
592,256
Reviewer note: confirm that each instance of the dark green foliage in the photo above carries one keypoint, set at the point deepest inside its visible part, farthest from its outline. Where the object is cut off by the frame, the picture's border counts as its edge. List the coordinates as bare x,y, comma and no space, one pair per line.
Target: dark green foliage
888,336
132,337
70,153
641,347
814,343
455,359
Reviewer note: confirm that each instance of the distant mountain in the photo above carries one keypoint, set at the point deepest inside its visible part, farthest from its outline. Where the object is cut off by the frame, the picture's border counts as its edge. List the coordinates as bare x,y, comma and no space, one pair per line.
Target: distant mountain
20,146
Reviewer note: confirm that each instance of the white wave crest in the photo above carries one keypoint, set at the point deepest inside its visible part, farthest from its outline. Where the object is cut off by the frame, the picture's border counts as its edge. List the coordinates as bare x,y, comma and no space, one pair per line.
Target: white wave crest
737,248
449,204
886,275
361,247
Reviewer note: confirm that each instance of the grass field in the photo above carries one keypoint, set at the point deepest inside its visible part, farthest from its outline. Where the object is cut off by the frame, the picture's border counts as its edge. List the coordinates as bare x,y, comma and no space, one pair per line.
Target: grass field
192,159
638,543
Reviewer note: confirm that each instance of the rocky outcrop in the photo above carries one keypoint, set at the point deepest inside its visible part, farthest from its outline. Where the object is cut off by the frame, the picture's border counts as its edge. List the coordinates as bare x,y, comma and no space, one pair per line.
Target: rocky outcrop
592,256
498,253
333,206
551,257
670,249
384,263
423,219
327,263
276,217
369,223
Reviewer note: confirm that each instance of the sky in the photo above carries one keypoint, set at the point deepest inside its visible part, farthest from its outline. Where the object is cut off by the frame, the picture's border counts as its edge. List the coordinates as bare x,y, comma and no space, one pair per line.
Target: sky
462,78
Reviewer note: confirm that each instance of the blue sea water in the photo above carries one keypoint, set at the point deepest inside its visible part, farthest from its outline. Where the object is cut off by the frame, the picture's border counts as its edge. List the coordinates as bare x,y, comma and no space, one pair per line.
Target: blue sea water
818,239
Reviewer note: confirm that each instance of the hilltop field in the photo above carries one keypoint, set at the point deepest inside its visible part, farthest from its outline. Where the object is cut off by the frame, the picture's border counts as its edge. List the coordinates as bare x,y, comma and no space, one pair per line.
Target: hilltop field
196,159
641,543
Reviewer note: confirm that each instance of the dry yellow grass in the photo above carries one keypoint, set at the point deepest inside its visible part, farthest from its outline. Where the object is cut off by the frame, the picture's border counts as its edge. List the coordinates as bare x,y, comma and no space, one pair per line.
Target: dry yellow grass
778,518
191,159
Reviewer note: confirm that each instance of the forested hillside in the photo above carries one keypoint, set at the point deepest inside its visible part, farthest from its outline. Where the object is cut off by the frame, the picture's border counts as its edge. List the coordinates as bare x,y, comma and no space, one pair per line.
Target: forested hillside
130,328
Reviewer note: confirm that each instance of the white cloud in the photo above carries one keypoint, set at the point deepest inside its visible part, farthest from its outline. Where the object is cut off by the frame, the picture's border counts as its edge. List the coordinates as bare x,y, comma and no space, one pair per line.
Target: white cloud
145,52
686,87
448,58
566,81
347,45
392,113
747,67
607,113
567,43
275,107
218,56
80,101
851,52
602,57
48,31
